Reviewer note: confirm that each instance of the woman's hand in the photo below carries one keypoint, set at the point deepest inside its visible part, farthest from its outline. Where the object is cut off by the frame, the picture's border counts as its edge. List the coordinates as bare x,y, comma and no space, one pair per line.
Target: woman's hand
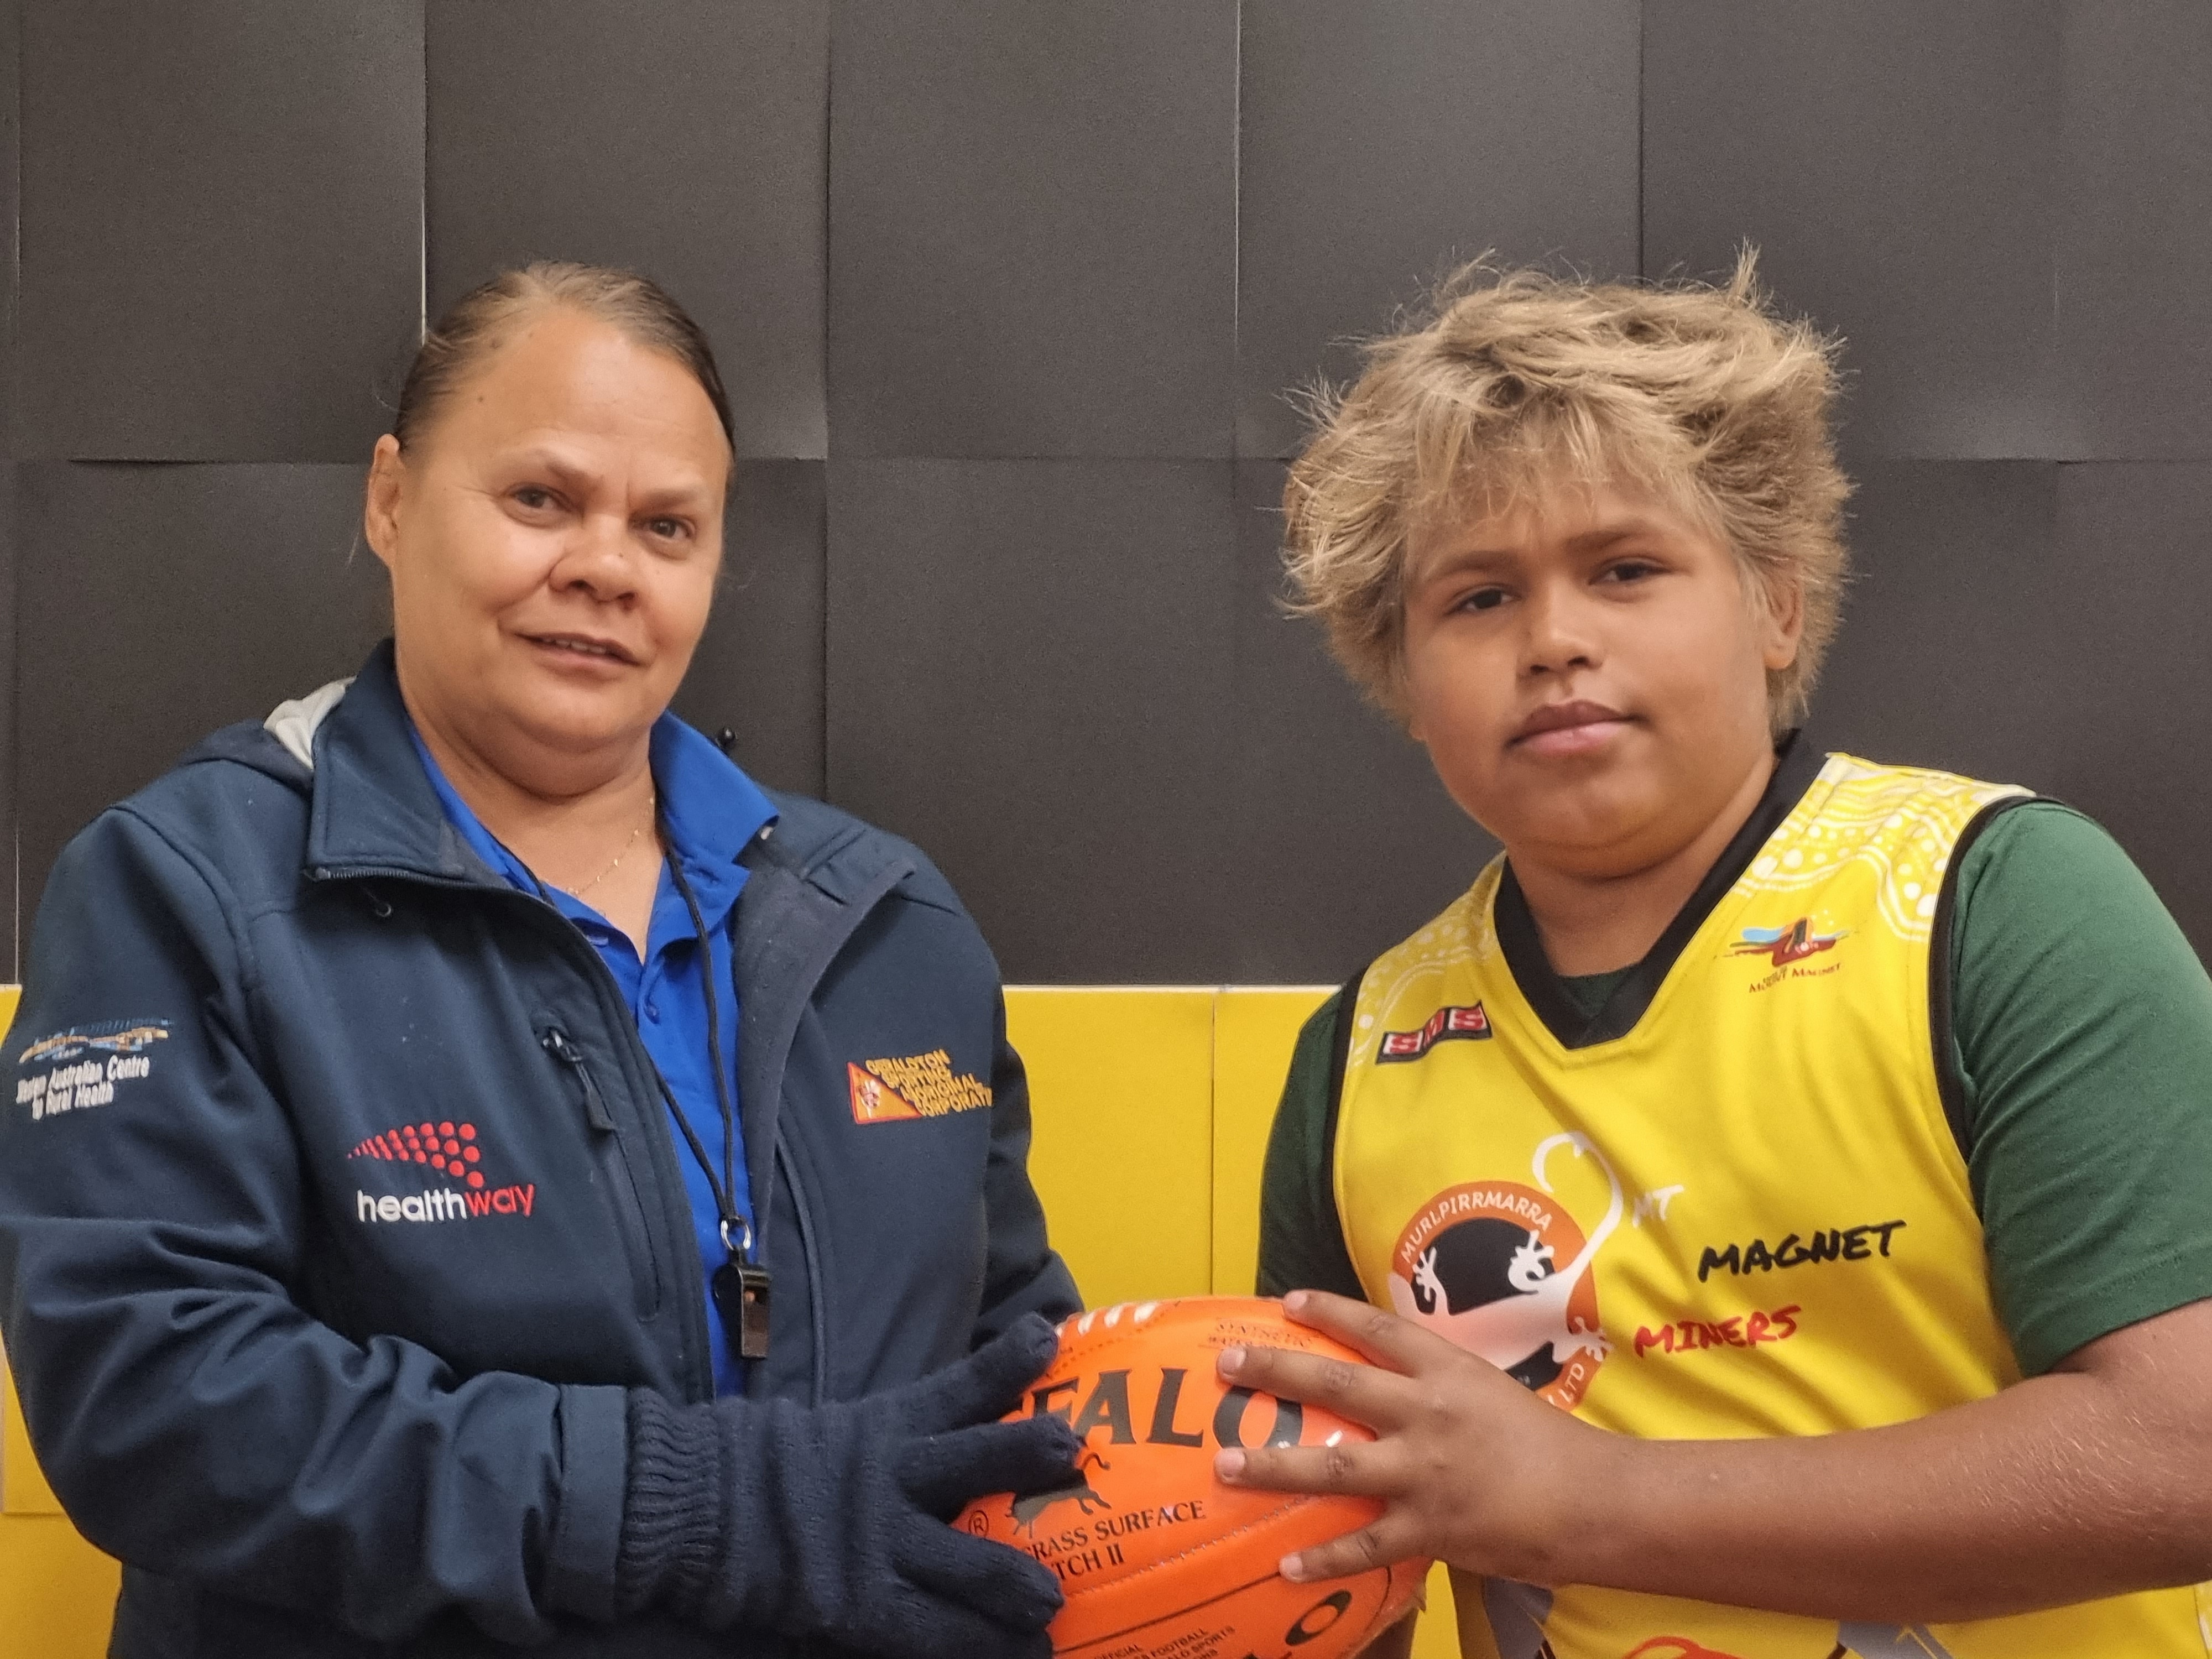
829,1523
1472,1470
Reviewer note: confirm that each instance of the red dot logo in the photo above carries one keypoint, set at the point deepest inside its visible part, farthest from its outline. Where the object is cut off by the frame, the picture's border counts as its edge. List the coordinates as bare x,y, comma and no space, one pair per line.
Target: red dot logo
449,1148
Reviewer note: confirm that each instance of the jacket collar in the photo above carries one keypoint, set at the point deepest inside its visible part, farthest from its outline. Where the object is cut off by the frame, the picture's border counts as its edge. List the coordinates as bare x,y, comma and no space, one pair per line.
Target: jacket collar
374,810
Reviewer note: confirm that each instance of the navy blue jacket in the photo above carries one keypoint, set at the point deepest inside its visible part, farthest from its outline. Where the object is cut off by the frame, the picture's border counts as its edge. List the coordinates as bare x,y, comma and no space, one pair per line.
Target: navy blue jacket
322,1397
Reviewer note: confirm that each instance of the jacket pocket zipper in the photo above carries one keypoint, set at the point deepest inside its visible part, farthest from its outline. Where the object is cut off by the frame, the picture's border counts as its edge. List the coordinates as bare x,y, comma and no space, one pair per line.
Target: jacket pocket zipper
615,1165
595,1104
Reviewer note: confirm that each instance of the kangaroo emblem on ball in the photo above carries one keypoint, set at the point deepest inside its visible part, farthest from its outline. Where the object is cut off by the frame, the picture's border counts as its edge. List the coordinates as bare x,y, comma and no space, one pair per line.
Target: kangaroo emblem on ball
1025,1510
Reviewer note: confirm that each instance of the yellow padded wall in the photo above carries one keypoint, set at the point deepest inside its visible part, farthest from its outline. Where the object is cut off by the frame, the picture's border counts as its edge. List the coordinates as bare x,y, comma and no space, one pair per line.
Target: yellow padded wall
1120,1081
1254,1028
56,1592
23,1488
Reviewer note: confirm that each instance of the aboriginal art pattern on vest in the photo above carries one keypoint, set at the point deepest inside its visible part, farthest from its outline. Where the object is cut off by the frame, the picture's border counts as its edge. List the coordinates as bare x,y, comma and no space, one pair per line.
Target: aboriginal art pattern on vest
1742,1211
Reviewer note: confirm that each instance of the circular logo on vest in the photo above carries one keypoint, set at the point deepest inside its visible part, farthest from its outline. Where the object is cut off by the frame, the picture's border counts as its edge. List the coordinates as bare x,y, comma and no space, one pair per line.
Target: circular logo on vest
1504,1270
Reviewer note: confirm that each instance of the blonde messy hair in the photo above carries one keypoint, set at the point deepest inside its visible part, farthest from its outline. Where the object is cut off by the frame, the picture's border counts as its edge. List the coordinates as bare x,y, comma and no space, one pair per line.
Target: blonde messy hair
1518,382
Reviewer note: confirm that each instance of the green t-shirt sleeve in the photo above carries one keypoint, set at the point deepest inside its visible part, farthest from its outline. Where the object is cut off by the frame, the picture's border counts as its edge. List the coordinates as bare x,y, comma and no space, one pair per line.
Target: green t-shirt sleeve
2082,1032
1301,1235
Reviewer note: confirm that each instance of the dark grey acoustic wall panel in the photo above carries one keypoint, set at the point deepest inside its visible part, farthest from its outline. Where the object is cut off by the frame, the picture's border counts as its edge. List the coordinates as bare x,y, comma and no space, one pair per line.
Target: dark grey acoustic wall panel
220,237
8,866
1034,205
2134,308
2137,541
1028,666
1387,140
1009,293
694,149
1894,161
11,135
157,603
1342,840
1958,601
11,132
758,673
2016,620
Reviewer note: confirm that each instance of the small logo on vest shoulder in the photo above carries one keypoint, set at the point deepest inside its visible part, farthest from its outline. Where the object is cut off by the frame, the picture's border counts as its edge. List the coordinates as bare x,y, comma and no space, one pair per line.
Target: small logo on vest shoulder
1782,946
1468,1024
919,1085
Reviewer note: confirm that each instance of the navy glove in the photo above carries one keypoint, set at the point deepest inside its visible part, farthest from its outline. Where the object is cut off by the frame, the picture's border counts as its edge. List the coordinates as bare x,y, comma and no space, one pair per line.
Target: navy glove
763,1515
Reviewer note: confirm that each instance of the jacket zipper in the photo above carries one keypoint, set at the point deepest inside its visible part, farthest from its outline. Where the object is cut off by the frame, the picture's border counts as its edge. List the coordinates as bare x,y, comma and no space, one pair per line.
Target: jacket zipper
819,1383
556,1044
690,1275
629,1205
689,1272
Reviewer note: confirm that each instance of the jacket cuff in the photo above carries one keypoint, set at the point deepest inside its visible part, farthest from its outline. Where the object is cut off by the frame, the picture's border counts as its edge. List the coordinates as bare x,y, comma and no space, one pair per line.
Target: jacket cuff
580,1575
672,1544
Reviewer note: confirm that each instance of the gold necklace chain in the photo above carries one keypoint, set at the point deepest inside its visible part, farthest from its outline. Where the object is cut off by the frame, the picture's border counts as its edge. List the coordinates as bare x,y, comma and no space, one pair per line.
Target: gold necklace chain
578,892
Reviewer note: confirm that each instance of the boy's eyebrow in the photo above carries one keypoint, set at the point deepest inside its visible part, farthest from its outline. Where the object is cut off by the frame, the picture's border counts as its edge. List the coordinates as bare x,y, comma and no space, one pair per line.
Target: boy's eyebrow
1478,557
1606,535
1466,558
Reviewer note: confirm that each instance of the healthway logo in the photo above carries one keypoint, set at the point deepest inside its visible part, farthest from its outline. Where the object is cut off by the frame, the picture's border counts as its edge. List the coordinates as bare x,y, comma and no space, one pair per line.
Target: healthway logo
451,1150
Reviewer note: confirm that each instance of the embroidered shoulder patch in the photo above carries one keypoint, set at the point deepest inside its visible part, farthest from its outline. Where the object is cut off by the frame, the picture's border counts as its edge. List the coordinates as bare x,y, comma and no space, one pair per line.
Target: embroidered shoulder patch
81,1065
920,1085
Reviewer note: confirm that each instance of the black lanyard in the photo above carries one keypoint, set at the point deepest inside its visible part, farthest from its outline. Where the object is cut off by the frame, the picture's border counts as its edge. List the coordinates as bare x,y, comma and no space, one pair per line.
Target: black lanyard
740,1285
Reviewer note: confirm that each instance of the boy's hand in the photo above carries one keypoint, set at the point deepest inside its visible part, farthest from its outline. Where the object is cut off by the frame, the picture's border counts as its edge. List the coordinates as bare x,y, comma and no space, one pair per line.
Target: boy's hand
1472,1470
2084,1482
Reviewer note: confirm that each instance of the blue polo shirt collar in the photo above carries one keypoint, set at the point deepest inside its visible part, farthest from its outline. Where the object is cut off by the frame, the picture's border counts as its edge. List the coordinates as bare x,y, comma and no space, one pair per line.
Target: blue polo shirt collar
712,810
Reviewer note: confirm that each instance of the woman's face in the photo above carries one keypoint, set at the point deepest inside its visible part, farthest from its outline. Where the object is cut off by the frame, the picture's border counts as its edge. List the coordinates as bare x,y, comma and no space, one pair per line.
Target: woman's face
553,536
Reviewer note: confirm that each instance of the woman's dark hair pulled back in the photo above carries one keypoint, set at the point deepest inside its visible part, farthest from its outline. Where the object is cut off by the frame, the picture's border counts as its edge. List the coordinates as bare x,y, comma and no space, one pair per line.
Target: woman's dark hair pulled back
478,323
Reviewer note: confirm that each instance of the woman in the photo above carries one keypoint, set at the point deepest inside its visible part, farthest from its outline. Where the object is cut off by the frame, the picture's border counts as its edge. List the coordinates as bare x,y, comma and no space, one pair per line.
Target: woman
482,1170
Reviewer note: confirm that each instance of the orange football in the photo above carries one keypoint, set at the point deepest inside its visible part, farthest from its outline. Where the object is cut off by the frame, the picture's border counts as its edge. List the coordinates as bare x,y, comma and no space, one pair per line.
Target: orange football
1157,1559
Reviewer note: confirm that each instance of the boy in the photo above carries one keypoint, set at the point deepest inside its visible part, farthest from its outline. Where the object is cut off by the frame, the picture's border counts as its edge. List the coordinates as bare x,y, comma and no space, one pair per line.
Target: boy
1787,1174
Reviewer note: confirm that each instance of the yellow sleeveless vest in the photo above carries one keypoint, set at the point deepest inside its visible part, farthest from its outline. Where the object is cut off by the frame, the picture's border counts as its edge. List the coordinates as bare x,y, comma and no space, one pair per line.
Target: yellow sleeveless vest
1748,1216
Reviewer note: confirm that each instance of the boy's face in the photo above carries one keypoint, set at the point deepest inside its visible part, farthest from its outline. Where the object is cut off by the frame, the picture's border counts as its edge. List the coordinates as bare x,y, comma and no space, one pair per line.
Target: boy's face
1589,674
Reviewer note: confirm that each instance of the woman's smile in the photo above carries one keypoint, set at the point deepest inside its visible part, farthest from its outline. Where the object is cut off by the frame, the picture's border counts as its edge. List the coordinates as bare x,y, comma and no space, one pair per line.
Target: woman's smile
587,652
